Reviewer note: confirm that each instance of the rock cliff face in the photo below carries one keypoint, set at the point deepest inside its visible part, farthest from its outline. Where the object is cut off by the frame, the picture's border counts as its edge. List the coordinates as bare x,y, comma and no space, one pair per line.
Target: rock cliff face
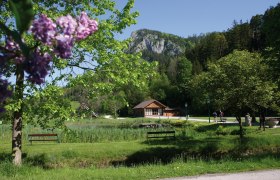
156,42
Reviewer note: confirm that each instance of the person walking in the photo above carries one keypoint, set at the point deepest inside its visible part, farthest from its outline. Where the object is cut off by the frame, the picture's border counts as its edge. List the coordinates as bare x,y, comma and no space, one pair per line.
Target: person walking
221,115
215,116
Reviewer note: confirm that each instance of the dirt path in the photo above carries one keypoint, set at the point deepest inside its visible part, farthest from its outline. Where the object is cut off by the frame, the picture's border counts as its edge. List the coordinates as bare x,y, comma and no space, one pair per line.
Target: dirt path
252,175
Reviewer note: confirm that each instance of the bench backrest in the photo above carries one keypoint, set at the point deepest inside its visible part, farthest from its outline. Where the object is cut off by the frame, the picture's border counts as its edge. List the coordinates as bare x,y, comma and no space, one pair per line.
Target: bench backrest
42,134
161,132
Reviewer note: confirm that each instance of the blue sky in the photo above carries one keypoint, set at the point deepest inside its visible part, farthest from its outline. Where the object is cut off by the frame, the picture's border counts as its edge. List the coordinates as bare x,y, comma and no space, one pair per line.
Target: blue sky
188,17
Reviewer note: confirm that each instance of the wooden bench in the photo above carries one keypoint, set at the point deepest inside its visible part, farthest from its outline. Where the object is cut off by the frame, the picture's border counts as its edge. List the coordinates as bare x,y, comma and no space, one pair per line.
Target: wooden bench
161,134
43,137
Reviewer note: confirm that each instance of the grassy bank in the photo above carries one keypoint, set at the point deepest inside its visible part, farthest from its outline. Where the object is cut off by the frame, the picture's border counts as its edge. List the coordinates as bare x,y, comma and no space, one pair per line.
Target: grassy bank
117,149
147,171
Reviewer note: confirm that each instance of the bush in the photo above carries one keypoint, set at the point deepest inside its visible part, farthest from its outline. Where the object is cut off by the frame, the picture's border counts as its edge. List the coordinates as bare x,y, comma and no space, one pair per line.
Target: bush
222,131
178,123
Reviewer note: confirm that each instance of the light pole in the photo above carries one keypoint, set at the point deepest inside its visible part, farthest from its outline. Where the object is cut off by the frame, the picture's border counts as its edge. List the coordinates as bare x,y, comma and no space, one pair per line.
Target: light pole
208,104
2,134
186,106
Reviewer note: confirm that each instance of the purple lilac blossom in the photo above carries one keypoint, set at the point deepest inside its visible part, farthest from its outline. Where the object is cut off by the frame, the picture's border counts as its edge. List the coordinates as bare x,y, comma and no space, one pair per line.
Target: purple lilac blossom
63,37
11,45
64,46
68,24
5,92
86,26
44,29
37,67
19,59
13,51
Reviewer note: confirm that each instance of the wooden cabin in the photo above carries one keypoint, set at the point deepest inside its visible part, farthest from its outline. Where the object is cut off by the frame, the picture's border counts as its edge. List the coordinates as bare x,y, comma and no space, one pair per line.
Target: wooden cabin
149,108
153,108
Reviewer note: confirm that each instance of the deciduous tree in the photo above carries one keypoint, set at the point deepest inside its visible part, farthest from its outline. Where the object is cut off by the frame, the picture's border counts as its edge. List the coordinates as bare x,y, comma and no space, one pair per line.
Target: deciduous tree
235,83
55,45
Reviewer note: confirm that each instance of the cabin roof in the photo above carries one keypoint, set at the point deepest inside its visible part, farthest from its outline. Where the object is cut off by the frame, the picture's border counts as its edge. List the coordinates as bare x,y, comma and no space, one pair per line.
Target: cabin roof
147,103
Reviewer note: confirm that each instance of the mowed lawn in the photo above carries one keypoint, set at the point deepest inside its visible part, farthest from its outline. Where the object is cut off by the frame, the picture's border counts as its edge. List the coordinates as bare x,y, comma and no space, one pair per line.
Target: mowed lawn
199,148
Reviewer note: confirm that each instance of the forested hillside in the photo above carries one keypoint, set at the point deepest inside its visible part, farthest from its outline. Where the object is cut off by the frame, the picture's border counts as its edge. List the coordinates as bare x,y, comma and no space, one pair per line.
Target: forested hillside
255,35
260,34
178,64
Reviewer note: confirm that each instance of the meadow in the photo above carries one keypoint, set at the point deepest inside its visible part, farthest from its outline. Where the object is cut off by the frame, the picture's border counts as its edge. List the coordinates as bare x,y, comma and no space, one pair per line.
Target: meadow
118,149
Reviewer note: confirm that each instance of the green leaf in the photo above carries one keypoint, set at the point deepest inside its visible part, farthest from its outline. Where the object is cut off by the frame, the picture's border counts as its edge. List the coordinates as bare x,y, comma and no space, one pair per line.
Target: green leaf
23,12
17,38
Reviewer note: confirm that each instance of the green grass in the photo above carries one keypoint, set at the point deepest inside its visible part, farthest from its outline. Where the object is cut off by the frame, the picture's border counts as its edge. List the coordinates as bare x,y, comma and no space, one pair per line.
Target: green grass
96,161
152,171
115,149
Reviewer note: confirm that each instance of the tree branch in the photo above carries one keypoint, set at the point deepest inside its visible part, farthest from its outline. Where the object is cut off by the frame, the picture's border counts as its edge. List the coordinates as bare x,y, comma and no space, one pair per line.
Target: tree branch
84,68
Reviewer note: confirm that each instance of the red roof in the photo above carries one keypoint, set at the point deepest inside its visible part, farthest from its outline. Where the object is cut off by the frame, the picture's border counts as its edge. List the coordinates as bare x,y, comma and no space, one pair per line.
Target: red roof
147,103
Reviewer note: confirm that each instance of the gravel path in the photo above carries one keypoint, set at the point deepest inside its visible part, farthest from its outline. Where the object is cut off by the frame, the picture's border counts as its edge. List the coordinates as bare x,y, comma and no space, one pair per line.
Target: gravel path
252,175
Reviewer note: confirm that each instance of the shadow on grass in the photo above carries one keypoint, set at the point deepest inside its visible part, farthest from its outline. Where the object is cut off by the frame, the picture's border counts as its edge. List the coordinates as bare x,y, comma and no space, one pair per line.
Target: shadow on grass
206,149
37,160
166,151
171,150
7,157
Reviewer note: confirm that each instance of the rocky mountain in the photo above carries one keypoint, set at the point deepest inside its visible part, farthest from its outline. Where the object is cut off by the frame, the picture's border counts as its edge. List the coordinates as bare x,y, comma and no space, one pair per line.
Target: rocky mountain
152,43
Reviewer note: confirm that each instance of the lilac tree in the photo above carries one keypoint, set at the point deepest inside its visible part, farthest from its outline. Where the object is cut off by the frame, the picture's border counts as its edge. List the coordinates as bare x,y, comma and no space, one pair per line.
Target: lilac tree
50,45
33,60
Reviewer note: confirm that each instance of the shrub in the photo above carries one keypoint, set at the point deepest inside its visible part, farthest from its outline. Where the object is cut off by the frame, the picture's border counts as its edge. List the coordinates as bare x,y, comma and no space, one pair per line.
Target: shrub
178,123
222,131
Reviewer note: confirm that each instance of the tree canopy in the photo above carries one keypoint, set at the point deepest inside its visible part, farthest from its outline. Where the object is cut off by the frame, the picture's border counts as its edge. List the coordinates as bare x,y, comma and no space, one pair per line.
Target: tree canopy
236,83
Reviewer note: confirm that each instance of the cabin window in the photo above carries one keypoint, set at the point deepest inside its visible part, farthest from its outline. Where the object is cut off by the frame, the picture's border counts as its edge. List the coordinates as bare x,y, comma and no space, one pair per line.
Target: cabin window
155,111
148,112
160,112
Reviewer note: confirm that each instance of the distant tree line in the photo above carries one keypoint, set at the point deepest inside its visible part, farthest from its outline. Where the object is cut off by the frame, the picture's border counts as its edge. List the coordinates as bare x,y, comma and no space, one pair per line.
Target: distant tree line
255,45
257,35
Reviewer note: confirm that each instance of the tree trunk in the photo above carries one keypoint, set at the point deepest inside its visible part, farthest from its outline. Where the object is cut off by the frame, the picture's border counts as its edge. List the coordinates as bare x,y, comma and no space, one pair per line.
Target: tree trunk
254,118
238,118
17,122
262,120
